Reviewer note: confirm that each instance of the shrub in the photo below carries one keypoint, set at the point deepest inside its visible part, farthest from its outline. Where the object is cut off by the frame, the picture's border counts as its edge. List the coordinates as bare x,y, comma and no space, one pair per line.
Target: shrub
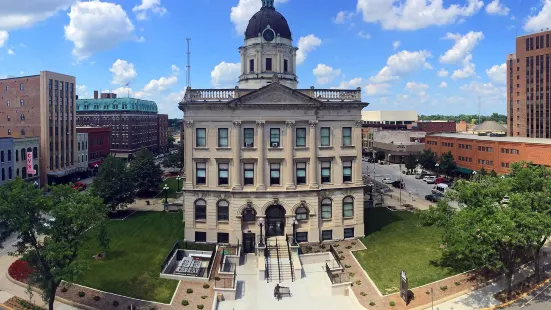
204,297
336,245
340,252
217,278
347,266
152,308
457,283
359,282
444,287
200,307
64,289
427,292
392,304
351,274
353,243
20,270
115,303
322,246
342,257
363,294
185,302
206,286
96,298
189,291
372,304
348,247
81,294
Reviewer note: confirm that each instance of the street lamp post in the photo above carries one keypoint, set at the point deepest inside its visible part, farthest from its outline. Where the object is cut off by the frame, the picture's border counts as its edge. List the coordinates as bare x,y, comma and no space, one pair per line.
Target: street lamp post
437,169
96,169
373,152
166,188
178,178
401,178
295,223
260,224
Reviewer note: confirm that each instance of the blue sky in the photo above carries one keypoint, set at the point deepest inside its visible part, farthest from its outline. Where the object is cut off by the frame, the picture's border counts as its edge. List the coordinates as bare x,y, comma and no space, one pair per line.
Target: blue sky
433,57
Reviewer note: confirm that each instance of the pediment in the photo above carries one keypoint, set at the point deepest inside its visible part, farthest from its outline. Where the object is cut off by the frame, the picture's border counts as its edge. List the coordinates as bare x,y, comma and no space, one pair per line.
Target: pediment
276,94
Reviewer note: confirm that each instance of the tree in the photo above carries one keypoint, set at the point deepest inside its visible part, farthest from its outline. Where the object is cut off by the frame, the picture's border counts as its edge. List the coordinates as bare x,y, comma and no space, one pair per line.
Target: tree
427,159
49,246
380,155
410,162
493,173
175,160
483,171
147,174
103,238
170,141
446,163
114,183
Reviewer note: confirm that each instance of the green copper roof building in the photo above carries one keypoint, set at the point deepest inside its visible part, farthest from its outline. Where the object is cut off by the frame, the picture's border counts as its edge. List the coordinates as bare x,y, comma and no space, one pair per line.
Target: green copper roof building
116,104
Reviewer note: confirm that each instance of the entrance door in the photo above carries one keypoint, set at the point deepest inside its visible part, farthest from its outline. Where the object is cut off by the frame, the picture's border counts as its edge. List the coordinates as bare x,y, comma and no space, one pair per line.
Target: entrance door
275,221
248,242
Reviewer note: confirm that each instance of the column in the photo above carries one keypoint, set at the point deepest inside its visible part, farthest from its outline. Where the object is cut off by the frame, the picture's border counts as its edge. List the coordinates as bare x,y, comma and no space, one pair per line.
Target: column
289,155
236,149
260,186
188,154
313,145
358,143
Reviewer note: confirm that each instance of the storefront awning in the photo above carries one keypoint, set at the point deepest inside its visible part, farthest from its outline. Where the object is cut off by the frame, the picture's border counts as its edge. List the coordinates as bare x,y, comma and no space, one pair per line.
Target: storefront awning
121,155
92,165
464,170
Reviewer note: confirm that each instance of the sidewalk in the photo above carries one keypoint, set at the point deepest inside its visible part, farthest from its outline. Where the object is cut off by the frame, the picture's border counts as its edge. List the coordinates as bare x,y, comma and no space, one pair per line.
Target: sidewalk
483,298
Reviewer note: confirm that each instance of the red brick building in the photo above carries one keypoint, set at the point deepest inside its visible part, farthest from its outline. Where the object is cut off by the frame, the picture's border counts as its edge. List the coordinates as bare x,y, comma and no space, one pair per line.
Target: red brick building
99,143
162,121
435,127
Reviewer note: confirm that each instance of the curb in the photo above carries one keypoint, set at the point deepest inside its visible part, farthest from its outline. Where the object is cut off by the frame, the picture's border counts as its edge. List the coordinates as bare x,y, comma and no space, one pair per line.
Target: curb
519,297
443,300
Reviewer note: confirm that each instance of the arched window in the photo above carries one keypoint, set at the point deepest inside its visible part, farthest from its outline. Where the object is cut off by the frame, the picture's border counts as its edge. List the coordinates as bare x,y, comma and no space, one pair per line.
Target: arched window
16,155
24,172
3,174
348,206
301,214
223,210
17,172
9,155
79,145
10,173
326,208
23,156
200,210
35,167
249,215
35,152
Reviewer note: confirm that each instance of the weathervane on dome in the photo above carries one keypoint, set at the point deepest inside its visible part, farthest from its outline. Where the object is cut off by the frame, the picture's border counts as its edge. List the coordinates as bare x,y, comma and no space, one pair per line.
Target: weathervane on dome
267,3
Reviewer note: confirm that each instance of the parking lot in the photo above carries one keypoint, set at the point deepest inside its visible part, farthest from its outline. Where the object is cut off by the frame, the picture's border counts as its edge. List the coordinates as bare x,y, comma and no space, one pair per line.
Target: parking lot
413,186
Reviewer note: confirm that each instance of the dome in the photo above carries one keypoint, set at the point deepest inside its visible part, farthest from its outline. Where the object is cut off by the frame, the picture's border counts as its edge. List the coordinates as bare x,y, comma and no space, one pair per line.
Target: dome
268,16
490,126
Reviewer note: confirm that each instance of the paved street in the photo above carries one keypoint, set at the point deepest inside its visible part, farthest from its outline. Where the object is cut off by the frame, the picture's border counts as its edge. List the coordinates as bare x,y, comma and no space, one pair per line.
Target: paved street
539,299
7,245
413,186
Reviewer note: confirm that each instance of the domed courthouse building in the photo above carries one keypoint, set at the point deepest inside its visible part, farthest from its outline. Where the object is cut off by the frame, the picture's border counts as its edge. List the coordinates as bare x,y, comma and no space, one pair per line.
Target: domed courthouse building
268,159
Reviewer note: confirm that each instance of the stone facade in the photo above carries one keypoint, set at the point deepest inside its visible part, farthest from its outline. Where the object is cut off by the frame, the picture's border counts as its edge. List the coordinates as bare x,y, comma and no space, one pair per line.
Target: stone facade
21,147
7,172
82,147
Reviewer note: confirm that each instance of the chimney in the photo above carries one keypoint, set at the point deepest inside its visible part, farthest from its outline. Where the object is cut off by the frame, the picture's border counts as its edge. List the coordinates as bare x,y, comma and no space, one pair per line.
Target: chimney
95,94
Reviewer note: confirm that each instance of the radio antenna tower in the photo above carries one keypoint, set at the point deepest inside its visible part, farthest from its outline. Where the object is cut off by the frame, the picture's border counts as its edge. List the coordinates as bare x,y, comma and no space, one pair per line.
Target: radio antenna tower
188,67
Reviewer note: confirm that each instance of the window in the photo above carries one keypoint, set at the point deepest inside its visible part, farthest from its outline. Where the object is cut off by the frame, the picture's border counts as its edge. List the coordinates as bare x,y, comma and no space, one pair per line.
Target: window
302,236
8,103
223,238
268,64
347,171
3,174
22,102
274,174
274,137
17,172
223,174
21,86
1,156
200,236
200,137
325,172
9,132
7,88
10,173
248,174
301,173
302,214
349,232
251,65
325,133
347,136
348,207
9,155
249,215
22,117
286,65
223,210
249,137
222,137
326,206
201,173
326,235
301,137
16,155
24,172
200,210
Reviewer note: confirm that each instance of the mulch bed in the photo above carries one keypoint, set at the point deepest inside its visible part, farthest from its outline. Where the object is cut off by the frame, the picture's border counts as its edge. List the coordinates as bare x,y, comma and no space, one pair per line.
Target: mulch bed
519,289
17,303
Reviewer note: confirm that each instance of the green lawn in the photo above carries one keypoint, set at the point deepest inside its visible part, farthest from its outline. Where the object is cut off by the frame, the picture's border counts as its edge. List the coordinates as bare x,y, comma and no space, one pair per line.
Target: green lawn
138,247
173,185
396,242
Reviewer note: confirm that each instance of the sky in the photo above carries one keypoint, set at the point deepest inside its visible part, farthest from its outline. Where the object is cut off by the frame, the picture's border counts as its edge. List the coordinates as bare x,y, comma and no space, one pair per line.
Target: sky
433,56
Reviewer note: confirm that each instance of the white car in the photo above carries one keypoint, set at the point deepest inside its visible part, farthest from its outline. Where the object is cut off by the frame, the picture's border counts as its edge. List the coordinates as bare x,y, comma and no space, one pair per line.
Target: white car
430,179
505,200
387,180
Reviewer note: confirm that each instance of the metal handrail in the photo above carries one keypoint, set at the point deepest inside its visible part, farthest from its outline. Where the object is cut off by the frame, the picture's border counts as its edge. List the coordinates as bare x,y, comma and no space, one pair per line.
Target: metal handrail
291,261
267,266
278,265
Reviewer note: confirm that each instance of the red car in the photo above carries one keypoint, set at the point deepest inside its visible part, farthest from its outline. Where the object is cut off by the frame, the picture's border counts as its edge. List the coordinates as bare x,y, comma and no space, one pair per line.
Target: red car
79,186
441,180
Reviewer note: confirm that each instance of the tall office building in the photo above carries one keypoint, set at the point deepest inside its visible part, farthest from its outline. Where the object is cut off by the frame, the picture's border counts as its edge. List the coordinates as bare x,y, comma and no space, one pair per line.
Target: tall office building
528,101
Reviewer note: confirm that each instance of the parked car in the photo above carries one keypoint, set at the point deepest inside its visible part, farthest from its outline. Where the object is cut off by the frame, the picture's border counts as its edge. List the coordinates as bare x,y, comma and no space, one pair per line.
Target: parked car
79,186
387,180
419,176
505,200
433,197
430,179
399,184
440,189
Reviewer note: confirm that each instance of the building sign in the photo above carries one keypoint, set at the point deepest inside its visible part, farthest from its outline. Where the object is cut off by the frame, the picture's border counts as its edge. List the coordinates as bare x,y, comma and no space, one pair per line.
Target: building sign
30,169
404,286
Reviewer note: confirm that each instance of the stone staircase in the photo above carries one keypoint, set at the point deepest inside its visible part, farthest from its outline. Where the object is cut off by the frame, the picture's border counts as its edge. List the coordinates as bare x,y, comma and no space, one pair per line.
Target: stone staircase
283,267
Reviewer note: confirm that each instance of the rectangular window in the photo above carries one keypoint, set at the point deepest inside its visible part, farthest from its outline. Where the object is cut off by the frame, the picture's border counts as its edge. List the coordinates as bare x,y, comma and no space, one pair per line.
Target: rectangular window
302,236
248,133
200,137
275,174
223,211
21,102
325,133
286,63
223,174
326,235
347,171
268,64
325,172
347,136
222,137
1,156
21,86
349,232
301,173
201,173
248,174
274,137
200,236
223,238
251,65
301,137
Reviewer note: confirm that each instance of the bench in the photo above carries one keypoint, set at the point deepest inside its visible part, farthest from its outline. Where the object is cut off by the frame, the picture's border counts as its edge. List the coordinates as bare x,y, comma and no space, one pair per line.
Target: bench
279,291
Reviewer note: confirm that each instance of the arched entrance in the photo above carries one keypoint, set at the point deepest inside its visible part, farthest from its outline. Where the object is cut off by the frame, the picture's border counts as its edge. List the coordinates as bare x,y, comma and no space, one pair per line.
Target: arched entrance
275,221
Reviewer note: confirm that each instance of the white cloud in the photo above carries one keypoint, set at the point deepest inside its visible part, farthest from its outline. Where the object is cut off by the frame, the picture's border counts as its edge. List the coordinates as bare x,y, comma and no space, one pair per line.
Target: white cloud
395,45
486,90
160,85
376,89
467,71
364,35
401,63
143,9
325,74
443,84
4,36
496,8
125,91
497,73
82,91
11,52
306,45
242,13
414,14
97,26
19,14
225,74
175,69
123,72
442,72
416,86
464,44
343,16
542,20
353,83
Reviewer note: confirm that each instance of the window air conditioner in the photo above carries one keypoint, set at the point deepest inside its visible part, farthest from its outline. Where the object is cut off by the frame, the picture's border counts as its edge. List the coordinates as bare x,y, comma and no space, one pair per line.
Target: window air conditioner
275,144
